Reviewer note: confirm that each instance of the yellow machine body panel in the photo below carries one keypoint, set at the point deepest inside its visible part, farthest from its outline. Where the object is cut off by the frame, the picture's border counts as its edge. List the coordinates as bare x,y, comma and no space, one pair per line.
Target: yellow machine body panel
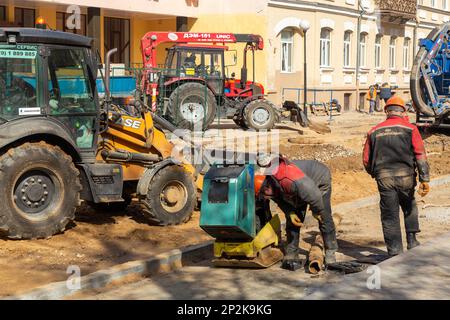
261,252
138,135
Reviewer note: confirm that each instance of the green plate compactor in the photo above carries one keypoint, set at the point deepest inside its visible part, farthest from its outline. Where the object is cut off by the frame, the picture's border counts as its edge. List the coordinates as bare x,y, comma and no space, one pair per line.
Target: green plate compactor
228,214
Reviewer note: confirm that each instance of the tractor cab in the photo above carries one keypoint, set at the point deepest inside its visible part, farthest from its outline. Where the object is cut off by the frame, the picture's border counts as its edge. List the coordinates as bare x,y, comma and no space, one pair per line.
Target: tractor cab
40,77
205,63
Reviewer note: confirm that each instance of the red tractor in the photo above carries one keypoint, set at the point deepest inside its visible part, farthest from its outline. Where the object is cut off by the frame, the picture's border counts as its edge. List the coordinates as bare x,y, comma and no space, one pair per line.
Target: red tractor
193,87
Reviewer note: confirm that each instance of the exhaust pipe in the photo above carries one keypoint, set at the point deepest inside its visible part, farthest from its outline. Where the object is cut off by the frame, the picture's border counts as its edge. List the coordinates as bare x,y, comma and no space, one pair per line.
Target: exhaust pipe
107,75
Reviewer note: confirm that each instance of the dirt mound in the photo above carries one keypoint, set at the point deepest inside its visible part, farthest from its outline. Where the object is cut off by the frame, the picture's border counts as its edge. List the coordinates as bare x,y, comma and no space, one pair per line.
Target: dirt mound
322,152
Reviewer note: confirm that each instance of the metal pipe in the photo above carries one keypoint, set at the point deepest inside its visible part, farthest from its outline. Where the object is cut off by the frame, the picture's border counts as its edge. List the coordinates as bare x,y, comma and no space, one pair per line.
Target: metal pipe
305,77
107,75
316,255
358,53
130,157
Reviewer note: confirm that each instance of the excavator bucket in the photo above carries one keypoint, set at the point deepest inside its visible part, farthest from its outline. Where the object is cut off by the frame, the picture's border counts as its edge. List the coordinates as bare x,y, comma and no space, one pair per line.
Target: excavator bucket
261,252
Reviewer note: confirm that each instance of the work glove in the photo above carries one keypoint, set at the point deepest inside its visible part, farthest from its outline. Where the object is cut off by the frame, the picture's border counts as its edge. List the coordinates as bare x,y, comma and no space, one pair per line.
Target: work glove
295,220
424,189
318,217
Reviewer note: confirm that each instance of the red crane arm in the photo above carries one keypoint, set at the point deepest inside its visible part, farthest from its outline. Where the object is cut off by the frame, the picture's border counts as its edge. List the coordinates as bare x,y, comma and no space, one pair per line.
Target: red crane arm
152,39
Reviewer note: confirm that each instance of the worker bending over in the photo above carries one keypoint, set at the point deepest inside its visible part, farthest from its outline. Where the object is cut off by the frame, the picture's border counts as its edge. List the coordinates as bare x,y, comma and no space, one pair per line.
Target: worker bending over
294,186
392,152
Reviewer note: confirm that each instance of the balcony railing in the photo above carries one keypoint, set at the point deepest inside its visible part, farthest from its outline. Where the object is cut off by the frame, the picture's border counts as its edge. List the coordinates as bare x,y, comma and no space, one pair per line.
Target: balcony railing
396,11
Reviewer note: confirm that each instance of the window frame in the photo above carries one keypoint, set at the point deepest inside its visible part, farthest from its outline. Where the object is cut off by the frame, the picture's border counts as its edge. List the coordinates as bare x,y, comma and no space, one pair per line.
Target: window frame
325,48
290,47
378,51
44,75
125,49
363,50
406,53
347,48
5,10
23,9
392,53
40,92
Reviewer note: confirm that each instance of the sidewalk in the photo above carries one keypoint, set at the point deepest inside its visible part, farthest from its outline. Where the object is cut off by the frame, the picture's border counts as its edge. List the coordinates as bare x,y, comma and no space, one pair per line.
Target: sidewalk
421,273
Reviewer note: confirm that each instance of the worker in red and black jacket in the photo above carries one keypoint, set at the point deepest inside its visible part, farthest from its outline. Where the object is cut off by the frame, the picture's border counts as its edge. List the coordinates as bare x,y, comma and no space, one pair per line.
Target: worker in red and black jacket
294,186
393,151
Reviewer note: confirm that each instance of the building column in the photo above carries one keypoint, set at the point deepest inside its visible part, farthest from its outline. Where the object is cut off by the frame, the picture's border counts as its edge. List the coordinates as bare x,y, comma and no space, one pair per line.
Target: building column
10,13
94,27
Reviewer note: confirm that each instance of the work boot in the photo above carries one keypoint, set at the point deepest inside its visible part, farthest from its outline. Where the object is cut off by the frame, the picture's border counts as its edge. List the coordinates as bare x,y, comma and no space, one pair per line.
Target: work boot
411,240
331,246
291,261
394,250
330,257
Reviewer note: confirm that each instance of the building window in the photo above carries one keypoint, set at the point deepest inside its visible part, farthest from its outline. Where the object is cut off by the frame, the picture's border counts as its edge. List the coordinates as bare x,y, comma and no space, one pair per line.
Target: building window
325,47
378,51
363,49
24,17
420,2
406,53
182,24
347,47
392,53
62,19
2,13
433,3
444,5
287,44
117,35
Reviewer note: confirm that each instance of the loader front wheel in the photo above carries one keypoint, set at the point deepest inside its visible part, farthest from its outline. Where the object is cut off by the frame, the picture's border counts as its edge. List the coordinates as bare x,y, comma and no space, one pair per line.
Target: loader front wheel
41,190
171,197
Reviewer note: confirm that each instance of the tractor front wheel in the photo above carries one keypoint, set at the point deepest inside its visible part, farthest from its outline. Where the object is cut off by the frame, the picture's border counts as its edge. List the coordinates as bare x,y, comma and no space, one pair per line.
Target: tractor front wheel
171,196
41,190
259,115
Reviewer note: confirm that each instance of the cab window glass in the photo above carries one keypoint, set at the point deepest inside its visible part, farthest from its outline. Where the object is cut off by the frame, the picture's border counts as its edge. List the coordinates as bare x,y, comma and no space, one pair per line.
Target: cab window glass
71,96
191,63
69,87
213,62
18,93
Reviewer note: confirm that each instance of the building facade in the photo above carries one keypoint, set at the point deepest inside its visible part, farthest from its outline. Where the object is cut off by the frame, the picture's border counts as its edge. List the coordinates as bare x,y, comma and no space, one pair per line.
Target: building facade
389,31
383,34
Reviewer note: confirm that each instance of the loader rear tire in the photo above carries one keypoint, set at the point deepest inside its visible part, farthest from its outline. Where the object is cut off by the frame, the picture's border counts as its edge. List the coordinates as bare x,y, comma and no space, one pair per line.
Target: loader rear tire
171,197
192,106
41,191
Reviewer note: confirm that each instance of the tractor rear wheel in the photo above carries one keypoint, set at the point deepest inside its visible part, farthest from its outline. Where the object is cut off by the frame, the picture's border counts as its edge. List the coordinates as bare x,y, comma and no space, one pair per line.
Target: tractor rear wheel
41,190
259,115
171,197
192,106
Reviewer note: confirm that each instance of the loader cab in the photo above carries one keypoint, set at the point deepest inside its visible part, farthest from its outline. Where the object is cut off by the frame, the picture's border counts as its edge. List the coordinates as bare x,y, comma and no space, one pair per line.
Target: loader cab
50,74
197,62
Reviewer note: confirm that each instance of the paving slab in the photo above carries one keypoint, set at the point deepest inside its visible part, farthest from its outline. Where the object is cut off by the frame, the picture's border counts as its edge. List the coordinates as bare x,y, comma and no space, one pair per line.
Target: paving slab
420,273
